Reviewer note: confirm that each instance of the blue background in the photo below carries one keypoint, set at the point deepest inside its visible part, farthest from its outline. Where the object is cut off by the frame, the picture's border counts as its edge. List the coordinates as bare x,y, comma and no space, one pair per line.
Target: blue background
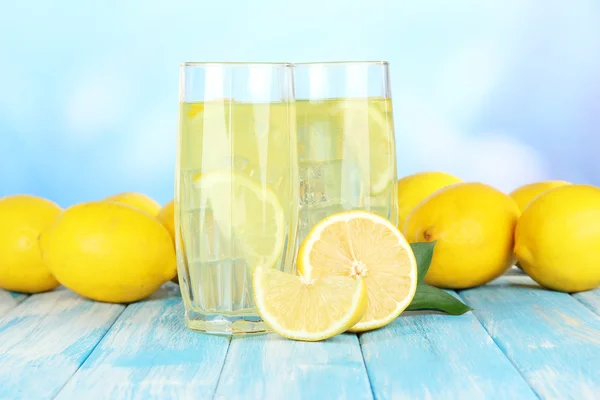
504,92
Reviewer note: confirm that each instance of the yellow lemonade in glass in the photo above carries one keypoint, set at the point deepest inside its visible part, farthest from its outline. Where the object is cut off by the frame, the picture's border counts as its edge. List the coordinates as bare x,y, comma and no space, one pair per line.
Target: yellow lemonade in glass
236,181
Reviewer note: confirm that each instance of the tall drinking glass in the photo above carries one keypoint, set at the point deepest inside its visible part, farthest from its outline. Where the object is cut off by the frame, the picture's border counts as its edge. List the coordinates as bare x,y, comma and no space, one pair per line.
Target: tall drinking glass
236,194
346,145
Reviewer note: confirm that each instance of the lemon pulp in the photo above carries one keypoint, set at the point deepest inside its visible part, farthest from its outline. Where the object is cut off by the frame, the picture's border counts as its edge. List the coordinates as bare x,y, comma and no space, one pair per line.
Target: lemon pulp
308,309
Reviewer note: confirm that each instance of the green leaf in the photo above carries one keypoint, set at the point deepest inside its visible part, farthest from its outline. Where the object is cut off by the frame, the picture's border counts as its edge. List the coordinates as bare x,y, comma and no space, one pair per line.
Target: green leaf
423,252
431,298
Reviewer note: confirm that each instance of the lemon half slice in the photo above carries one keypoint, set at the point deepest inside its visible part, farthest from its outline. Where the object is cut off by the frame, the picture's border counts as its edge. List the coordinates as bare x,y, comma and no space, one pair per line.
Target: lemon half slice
303,308
363,244
246,213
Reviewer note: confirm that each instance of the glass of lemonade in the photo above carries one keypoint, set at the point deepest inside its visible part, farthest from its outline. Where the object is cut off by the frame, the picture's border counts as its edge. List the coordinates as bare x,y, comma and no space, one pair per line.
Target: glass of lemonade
346,146
236,194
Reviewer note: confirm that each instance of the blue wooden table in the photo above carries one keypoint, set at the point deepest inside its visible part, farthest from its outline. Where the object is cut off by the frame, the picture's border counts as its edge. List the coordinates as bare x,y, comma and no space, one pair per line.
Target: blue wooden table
521,342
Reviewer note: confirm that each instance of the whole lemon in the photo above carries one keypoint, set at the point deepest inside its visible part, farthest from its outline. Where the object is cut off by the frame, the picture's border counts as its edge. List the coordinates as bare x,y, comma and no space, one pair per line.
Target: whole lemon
558,237
137,200
22,218
108,251
523,195
473,225
415,188
166,216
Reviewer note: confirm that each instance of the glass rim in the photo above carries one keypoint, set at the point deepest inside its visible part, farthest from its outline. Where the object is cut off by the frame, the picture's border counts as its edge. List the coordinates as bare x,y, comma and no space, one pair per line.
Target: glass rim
345,62
282,63
234,63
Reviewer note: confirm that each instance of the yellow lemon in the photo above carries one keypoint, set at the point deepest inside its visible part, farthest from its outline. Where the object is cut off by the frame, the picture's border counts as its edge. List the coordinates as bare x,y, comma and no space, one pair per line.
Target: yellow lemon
108,251
166,216
558,237
473,225
523,195
307,308
137,200
361,244
415,188
22,218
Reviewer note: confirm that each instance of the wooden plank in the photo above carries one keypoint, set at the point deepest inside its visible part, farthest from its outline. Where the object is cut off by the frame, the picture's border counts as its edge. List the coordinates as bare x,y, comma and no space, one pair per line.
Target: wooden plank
150,354
590,299
9,300
427,355
272,367
550,337
45,340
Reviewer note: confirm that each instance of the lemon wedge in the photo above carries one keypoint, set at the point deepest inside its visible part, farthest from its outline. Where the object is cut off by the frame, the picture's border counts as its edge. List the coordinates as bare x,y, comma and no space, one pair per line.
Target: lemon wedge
361,244
246,213
307,309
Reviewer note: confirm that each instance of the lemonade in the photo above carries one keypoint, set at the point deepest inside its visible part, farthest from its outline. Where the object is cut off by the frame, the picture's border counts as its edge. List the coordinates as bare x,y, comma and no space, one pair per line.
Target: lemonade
346,154
234,212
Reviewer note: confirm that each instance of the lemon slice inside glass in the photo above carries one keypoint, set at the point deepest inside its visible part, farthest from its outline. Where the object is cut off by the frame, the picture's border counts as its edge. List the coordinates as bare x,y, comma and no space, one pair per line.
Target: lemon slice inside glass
363,244
246,213
307,309
367,124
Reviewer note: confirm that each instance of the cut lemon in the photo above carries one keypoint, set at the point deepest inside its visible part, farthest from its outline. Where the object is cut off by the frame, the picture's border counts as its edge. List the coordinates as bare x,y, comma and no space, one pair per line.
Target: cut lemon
245,213
367,126
363,244
357,131
303,308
